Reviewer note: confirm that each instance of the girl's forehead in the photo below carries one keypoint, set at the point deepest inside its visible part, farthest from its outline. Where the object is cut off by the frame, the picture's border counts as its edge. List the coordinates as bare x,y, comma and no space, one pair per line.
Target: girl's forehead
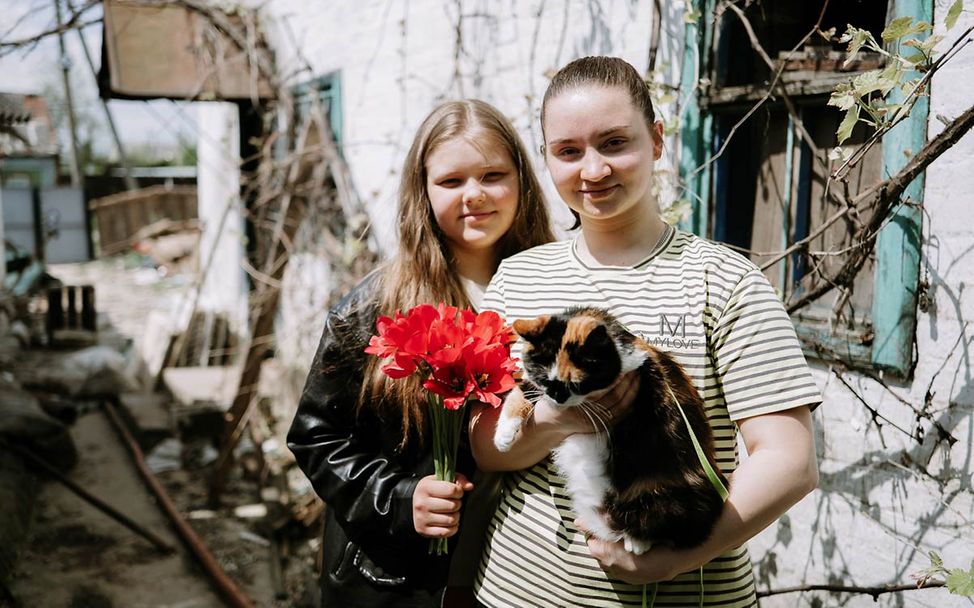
475,144
585,98
589,107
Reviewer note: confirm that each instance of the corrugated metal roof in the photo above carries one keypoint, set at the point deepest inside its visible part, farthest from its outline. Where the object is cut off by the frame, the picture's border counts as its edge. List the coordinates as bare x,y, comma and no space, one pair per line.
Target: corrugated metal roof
12,110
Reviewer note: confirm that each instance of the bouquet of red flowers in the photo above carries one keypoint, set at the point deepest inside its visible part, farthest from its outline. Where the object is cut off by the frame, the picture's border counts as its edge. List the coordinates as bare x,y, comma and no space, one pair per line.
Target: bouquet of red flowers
462,356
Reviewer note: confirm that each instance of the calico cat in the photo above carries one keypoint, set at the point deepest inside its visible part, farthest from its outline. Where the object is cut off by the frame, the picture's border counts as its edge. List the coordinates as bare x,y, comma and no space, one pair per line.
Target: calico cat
639,478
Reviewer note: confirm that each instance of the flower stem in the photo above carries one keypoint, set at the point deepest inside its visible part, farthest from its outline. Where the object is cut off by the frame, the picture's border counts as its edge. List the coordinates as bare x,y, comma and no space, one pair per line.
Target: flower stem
447,426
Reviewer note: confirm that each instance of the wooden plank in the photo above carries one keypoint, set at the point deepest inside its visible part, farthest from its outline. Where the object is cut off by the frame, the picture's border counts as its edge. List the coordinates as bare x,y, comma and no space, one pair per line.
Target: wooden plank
866,173
206,338
218,355
772,192
898,246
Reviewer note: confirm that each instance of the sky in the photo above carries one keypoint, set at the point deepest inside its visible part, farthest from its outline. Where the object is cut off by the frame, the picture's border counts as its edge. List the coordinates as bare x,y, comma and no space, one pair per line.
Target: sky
157,125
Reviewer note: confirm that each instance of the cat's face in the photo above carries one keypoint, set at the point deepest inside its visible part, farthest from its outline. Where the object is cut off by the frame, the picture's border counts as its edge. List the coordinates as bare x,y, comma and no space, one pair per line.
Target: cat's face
569,356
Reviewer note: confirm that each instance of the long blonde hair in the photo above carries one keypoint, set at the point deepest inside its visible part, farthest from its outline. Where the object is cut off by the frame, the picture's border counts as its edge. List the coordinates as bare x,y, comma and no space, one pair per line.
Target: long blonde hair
423,271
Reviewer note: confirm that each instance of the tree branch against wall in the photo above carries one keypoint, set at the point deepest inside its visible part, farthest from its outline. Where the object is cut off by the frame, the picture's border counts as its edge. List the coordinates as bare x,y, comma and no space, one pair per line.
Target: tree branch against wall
863,99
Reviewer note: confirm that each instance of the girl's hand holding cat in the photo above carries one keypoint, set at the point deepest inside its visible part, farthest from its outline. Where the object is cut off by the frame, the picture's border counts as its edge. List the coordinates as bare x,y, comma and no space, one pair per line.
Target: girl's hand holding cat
661,563
436,505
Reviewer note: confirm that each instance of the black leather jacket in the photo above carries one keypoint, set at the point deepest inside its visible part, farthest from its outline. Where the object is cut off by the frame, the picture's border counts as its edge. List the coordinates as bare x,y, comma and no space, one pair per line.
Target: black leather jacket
373,555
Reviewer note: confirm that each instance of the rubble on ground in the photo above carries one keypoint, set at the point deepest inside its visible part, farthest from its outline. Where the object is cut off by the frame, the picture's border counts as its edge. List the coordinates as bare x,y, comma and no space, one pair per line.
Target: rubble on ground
264,531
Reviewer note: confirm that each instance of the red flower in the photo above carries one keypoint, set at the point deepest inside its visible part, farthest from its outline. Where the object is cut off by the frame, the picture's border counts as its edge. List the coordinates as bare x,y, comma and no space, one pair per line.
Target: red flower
490,368
463,353
389,340
489,327
451,382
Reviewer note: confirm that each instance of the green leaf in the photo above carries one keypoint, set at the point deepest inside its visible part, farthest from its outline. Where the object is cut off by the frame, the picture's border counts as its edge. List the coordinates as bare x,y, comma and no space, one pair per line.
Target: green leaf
691,14
843,97
961,582
874,80
890,77
838,153
904,26
848,124
856,38
954,12
929,42
679,210
935,559
897,28
915,59
889,111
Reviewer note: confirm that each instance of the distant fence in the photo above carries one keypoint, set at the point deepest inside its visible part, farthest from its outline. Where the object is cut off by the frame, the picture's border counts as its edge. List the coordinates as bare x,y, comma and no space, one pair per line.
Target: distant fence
121,216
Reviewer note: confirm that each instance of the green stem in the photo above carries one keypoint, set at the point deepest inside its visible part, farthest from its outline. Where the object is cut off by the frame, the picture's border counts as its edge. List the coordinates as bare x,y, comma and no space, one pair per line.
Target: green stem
447,426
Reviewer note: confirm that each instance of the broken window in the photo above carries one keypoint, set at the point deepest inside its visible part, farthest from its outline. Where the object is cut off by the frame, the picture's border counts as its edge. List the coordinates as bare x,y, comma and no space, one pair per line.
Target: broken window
769,180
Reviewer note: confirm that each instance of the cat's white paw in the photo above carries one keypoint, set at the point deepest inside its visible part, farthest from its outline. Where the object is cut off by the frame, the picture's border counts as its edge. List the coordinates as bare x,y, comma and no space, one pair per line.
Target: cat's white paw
635,545
505,432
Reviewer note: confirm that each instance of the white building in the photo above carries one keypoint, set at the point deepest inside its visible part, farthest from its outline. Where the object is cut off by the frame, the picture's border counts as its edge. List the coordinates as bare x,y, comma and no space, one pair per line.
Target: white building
893,488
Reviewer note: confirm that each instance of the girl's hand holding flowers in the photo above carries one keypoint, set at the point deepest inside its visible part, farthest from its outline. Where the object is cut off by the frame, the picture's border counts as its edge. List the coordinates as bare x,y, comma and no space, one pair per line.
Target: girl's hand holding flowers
461,356
436,505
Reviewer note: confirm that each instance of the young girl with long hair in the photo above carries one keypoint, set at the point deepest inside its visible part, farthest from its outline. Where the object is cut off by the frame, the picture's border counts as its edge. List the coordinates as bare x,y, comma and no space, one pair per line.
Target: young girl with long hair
468,199
709,307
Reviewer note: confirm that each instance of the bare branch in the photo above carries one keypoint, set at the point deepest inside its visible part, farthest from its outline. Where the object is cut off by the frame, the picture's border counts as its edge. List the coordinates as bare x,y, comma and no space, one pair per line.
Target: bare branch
73,22
875,592
841,213
882,197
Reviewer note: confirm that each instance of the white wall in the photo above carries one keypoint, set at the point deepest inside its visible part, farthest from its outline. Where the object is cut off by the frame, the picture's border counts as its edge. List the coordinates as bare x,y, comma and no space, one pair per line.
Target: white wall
398,59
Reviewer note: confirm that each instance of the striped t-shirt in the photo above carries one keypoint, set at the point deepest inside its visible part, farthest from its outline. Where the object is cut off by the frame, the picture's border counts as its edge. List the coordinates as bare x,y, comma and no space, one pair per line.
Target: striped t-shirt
718,316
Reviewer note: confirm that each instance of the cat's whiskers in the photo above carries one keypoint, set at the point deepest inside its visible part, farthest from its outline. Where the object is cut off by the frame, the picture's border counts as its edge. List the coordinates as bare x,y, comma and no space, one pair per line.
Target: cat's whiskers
596,412
589,415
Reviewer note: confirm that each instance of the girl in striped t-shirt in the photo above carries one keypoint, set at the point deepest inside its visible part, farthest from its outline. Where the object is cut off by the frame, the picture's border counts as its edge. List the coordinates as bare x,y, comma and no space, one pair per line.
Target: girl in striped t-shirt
709,307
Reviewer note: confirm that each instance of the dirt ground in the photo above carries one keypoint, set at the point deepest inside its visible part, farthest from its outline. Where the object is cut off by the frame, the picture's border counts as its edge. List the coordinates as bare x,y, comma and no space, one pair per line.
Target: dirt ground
77,557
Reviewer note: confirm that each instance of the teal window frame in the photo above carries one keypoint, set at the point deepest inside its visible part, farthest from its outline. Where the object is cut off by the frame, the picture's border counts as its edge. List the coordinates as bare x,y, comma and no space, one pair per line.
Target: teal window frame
329,91
897,272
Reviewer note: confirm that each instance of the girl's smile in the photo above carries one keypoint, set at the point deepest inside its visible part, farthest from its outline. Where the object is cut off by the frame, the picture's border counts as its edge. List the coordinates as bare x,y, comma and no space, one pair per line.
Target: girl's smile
598,192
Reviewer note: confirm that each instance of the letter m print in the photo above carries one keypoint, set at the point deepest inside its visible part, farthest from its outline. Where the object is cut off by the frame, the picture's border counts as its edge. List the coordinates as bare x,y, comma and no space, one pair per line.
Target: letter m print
674,324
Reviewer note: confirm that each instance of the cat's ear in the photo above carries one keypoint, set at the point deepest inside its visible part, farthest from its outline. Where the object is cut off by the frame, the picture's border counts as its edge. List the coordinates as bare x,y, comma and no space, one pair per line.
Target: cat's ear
530,329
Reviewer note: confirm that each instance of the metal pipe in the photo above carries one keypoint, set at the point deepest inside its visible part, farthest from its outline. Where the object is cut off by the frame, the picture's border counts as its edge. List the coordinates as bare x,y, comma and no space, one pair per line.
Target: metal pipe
228,589
104,507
